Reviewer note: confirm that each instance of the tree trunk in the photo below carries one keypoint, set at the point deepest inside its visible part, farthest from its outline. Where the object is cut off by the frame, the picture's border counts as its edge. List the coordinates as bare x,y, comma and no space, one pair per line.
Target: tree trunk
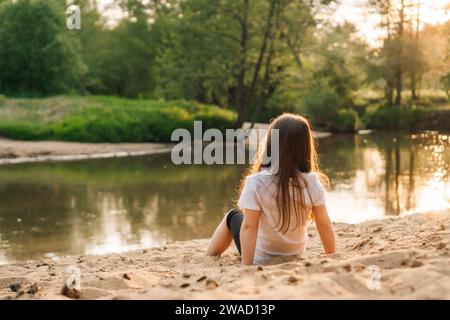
265,92
398,86
413,86
399,69
262,52
390,94
246,94
240,90
390,83
414,76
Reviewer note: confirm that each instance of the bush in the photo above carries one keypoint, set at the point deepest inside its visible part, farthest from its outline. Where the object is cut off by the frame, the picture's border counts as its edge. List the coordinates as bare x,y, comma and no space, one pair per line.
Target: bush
37,55
322,107
108,119
326,110
391,117
347,121
23,130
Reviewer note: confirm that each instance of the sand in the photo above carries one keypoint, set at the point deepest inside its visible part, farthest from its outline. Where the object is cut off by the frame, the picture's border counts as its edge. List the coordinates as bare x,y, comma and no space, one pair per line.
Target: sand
411,253
14,152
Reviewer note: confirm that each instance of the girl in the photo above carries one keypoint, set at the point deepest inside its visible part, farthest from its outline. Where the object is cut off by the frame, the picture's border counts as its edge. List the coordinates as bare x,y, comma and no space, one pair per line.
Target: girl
275,205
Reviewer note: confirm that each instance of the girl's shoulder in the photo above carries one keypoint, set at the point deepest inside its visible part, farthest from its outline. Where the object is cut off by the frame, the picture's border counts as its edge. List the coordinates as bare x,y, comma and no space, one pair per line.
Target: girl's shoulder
267,174
312,177
263,174
309,175
261,177
314,180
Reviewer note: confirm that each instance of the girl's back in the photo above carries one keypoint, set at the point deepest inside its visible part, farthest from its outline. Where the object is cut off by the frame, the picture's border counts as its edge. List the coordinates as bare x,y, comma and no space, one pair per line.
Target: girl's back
260,194
278,198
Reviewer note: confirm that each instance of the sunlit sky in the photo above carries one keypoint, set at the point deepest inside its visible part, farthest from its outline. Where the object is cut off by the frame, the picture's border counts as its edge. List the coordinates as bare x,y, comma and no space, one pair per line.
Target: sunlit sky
354,11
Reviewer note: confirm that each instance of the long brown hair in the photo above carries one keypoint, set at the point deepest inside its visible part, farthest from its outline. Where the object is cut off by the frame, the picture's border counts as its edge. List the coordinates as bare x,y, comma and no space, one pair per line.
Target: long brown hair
297,154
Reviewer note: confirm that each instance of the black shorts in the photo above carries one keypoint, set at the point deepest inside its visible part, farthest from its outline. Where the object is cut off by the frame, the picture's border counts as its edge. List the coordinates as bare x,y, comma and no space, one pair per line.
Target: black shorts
234,222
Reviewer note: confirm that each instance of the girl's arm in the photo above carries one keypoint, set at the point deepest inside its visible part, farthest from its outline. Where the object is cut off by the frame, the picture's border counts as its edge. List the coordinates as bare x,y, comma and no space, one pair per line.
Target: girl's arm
249,231
325,229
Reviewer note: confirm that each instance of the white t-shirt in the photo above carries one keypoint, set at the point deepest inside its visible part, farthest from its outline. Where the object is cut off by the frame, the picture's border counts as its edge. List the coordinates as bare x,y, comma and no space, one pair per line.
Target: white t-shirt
259,194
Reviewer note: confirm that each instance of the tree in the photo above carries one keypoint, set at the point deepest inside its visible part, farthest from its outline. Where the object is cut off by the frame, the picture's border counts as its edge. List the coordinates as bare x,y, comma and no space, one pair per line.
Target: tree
417,64
92,38
196,50
38,54
386,62
402,53
120,59
335,71
233,53
435,44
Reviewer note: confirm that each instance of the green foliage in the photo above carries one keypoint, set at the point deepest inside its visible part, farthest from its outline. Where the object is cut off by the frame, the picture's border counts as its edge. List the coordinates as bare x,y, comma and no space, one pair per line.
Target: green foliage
197,53
327,110
38,55
330,79
347,121
231,53
391,117
446,82
107,119
339,59
259,57
120,60
283,101
23,130
322,106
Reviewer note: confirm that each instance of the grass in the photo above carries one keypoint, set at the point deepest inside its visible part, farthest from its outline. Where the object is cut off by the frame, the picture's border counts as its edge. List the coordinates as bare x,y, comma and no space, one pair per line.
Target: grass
393,117
407,117
431,111
104,119
112,119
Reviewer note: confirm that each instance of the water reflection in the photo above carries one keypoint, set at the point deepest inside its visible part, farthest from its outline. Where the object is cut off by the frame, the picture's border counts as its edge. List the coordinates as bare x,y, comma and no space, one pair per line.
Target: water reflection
108,205
112,205
386,174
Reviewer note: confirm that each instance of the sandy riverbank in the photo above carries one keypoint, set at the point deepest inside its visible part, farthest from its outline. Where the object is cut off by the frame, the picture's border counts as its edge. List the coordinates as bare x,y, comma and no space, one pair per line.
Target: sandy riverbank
12,151
412,254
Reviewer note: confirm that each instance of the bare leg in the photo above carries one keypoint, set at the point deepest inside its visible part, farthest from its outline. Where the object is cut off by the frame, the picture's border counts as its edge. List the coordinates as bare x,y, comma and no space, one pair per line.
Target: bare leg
220,240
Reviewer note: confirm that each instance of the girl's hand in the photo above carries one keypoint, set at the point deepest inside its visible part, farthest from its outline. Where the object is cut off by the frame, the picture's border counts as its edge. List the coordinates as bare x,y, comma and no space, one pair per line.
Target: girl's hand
325,229
249,231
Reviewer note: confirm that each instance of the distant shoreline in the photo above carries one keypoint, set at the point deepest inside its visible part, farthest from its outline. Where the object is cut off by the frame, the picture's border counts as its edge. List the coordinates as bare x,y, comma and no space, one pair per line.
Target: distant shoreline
18,152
